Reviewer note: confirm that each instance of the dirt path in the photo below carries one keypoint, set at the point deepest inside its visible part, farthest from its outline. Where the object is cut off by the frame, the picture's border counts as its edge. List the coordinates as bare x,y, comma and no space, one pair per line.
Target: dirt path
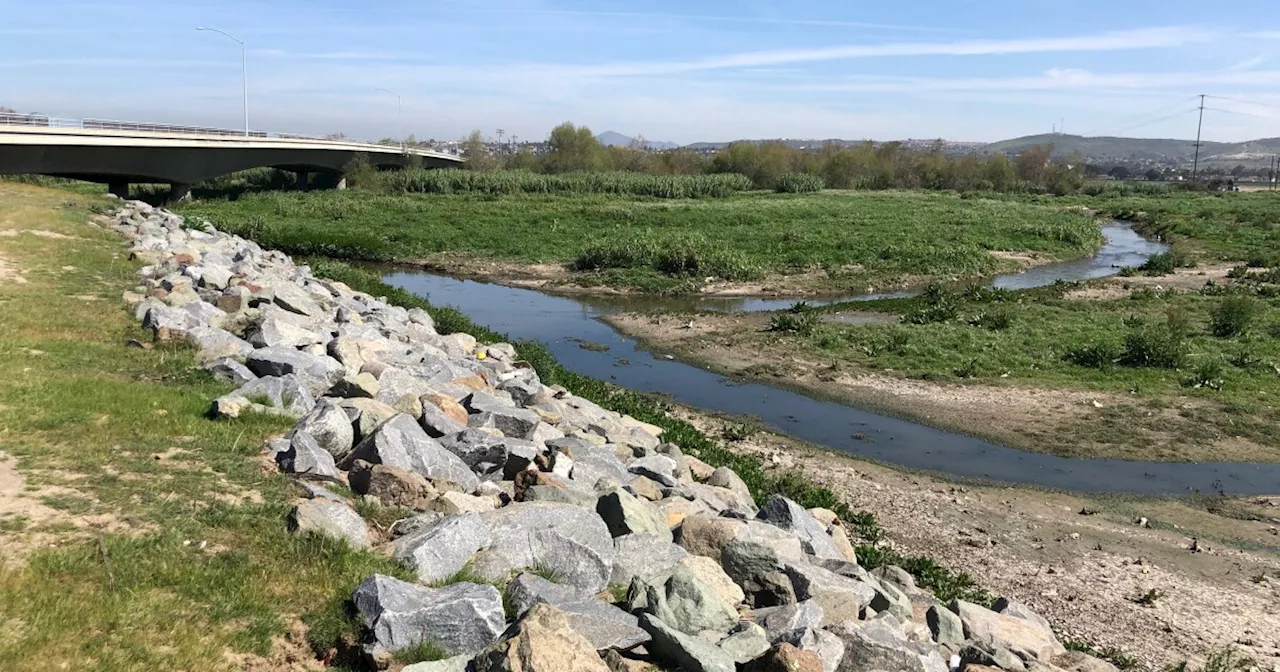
1070,423
1085,573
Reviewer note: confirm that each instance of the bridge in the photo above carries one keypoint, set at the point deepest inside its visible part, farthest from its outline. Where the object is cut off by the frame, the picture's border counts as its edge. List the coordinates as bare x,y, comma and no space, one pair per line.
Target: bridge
120,153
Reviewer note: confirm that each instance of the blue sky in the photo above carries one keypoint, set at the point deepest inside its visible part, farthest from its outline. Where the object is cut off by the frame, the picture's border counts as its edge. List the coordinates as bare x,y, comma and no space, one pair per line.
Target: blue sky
678,71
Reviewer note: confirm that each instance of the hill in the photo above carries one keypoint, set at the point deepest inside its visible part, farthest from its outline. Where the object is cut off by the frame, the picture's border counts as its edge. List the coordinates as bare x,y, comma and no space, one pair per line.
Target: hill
1142,149
615,139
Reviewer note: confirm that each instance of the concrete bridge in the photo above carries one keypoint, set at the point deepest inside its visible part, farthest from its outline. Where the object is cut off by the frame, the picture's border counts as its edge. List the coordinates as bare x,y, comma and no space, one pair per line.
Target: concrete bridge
120,153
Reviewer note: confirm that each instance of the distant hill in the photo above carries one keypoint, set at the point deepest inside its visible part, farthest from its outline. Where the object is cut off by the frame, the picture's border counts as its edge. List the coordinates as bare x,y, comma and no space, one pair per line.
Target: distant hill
615,139
1142,149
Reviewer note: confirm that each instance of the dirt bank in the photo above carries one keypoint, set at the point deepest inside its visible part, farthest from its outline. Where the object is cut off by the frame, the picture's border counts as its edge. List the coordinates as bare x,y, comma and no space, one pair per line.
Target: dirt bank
1085,573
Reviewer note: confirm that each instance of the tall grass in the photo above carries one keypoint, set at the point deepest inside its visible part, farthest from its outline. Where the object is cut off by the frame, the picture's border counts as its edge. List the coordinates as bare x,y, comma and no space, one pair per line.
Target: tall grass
688,257
455,181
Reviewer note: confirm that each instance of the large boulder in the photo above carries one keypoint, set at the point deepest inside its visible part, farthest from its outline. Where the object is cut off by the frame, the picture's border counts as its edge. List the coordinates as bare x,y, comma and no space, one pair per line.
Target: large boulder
285,395
746,642
604,625
944,626
489,411
570,542
707,535
790,516
828,647
437,552
330,426
880,644
391,486
659,468
305,457
462,618
687,652
625,514
786,622
643,556
686,601
841,597
281,361
401,443
484,453
331,519
785,657
229,371
541,641
1025,638
758,570
1011,607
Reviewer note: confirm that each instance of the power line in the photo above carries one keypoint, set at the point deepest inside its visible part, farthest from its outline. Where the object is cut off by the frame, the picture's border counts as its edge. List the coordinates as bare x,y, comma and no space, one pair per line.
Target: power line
1156,121
1243,114
1140,116
1195,165
1247,102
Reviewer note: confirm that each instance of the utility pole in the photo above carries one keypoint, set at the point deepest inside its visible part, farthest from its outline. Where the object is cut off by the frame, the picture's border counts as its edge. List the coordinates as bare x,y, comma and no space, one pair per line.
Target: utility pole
500,134
1195,165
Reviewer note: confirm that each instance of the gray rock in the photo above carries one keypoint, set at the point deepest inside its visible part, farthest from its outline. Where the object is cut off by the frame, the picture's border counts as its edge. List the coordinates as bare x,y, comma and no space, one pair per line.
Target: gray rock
707,535
840,597
757,569
330,426
1025,638
520,454
421,521
391,486
400,442
659,468
306,457
295,299
686,602
1011,607
944,626
899,577
643,556
625,514
785,623
484,453
552,493
489,411
828,647
229,370
352,386
843,568
461,619
569,541
880,644
460,663
747,641
1004,659
888,598
686,652
330,519
1077,661
279,361
273,331
437,423
285,395
790,516
437,552
604,625
217,344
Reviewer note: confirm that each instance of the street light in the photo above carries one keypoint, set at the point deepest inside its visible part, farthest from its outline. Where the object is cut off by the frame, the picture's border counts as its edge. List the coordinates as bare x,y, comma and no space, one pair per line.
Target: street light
399,118
244,72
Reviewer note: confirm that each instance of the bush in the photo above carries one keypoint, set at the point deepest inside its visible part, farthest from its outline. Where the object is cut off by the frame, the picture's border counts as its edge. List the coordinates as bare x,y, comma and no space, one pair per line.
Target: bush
799,183
1159,264
1207,374
1158,345
1095,356
456,181
996,319
941,305
684,258
1233,316
794,323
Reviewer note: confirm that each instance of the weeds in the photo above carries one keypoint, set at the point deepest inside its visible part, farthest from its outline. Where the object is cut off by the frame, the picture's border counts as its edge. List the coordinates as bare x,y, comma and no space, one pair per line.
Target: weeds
799,183
739,432
801,324
457,181
423,651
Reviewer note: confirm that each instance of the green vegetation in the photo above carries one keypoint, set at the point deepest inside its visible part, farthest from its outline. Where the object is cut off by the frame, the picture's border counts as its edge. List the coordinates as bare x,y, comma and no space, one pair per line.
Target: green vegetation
454,181
856,239
168,562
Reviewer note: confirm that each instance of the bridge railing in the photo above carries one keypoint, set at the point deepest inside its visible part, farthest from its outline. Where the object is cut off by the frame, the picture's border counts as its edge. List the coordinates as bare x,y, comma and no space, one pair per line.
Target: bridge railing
40,120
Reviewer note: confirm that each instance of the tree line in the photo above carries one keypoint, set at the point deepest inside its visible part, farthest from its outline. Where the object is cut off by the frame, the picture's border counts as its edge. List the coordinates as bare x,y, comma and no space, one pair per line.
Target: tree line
887,165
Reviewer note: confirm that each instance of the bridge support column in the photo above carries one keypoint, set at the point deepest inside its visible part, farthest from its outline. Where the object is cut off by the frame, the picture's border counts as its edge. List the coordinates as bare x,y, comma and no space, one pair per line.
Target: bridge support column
178,192
341,183
118,188
302,181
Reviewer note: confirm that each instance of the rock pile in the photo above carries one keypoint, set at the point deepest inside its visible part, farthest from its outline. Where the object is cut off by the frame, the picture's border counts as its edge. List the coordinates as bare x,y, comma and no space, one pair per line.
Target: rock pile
547,533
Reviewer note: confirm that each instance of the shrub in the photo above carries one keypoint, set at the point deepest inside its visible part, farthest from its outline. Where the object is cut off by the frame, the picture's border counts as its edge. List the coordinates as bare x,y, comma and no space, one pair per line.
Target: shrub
1157,345
1094,356
1233,316
940,306
799,183
795,323
1159,264
684,258
456,181
996,319
1207,374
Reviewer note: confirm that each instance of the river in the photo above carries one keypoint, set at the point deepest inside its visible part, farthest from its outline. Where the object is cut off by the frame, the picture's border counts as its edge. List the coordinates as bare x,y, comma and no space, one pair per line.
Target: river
562,323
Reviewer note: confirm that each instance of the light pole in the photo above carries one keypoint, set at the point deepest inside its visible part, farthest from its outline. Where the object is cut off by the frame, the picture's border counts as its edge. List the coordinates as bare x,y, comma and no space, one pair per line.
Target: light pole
399,118
244,72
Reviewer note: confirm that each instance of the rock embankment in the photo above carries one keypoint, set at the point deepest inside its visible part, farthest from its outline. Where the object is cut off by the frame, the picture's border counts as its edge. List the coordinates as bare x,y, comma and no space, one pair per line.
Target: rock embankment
545,532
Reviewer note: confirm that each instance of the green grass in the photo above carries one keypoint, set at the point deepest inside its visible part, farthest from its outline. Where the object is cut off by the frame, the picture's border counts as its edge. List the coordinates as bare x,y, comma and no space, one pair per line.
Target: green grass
457,181
85,415
857,239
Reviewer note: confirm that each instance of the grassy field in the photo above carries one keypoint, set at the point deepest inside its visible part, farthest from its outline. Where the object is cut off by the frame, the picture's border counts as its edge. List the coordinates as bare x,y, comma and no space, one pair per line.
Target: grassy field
851,239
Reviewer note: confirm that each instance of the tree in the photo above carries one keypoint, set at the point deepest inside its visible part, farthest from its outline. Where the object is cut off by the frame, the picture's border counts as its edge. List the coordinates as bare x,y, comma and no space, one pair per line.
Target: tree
573,148
1119,172
1033,163
1154,175
476,151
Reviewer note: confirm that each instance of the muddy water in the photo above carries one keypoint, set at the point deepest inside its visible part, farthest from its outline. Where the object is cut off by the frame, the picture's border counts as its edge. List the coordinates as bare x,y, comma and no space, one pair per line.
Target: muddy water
564,323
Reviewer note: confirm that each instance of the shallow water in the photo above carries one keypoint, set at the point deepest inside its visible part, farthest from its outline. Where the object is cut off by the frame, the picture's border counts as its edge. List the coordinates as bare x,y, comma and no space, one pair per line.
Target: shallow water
562,323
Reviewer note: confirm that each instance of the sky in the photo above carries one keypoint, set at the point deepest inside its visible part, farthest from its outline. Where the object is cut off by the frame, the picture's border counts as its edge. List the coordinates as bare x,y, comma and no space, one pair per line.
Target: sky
672,71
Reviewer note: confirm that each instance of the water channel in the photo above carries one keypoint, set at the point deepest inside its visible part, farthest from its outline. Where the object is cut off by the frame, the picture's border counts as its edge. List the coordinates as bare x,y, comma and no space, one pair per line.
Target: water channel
562,323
